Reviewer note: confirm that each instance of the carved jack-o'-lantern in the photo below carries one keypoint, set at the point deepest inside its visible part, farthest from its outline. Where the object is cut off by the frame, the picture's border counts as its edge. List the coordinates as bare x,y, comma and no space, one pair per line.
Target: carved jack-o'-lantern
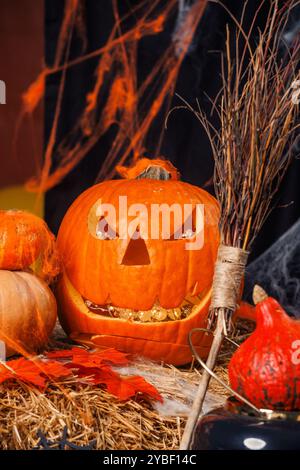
139,283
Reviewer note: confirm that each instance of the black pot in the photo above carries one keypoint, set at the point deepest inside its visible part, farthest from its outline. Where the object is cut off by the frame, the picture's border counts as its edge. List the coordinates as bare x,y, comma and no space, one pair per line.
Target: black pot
237,427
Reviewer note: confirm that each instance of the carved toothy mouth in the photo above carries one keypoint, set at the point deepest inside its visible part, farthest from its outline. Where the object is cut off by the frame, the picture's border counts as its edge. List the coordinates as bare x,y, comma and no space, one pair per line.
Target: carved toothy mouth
156,314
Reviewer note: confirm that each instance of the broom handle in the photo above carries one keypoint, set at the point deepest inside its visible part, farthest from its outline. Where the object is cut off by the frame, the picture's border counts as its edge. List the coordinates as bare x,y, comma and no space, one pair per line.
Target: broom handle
203,386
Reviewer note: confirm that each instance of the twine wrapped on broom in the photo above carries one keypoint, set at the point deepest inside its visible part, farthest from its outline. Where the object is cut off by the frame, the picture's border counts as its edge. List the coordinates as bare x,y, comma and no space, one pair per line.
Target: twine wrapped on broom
252,152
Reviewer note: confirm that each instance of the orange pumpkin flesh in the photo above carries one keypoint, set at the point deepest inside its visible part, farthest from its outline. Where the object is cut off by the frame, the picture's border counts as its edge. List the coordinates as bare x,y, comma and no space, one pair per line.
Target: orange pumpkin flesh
159,341
137,274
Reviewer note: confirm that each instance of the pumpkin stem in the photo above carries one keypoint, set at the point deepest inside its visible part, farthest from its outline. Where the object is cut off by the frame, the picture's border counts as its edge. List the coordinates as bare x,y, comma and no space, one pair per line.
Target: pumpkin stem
259,294
157,169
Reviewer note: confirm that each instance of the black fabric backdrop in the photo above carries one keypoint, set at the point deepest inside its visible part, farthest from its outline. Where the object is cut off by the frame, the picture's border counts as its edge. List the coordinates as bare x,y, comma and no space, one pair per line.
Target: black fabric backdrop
185,143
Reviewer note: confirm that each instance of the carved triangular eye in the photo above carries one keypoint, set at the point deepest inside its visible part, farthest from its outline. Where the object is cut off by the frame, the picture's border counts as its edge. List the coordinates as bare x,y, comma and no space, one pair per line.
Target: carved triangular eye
187,230
104,230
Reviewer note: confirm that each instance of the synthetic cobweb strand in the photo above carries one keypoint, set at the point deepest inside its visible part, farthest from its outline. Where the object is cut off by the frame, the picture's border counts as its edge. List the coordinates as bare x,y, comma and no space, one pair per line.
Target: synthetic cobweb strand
277,270
129,106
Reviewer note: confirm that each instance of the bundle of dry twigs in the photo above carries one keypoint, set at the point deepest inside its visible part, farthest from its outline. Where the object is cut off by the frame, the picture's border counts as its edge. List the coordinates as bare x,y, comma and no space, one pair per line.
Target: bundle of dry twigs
258,115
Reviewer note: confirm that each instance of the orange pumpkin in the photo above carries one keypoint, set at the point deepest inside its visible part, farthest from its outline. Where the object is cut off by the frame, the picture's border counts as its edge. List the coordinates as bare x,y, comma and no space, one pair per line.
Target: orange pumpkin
26,242
27,312
137,272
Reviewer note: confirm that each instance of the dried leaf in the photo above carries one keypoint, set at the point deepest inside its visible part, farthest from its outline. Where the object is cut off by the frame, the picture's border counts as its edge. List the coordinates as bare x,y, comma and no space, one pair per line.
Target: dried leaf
32,371
127,387
91,366
54,369
119,386
22,369
91,358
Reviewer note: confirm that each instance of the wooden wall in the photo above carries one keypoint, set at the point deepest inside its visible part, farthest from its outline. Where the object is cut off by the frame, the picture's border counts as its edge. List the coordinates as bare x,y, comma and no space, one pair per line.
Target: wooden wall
21,59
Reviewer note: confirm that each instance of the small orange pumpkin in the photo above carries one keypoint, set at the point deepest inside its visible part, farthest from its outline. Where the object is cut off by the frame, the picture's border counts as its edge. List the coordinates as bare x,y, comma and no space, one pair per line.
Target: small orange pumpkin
137,273
26,242
27,312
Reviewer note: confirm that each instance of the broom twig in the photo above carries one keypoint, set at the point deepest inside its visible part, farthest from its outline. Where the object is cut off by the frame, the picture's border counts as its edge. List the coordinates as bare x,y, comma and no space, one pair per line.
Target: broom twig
252,151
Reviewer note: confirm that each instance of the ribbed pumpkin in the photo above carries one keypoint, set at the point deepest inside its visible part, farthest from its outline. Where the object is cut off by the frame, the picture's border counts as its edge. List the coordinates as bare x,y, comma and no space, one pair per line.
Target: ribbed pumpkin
27,312
137,273
266,367
26,242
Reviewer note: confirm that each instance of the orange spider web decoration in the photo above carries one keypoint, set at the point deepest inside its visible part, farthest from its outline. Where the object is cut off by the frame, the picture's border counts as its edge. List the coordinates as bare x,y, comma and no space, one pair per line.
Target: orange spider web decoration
129,105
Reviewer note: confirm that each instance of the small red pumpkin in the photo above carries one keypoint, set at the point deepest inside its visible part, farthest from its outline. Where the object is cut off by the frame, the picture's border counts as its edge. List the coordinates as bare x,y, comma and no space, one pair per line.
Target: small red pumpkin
266,367
26,242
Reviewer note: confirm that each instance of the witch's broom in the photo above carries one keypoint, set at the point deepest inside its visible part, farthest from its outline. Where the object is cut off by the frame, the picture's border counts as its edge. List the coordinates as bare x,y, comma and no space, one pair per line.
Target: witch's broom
258,121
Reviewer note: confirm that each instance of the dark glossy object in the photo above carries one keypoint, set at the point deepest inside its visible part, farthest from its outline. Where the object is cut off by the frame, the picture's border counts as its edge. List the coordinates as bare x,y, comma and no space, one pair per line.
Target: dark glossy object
236,427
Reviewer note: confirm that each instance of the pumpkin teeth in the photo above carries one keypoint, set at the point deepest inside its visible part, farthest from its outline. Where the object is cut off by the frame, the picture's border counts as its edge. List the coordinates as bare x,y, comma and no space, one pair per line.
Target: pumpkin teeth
156,314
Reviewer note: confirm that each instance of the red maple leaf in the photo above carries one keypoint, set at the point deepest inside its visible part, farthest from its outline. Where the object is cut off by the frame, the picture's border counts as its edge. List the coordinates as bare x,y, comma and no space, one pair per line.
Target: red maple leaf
91,358
34,371
120,386
92,366
128,387
54,369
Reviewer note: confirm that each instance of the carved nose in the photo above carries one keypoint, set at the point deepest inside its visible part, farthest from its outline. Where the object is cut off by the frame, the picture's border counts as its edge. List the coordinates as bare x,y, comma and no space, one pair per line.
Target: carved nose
136,253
